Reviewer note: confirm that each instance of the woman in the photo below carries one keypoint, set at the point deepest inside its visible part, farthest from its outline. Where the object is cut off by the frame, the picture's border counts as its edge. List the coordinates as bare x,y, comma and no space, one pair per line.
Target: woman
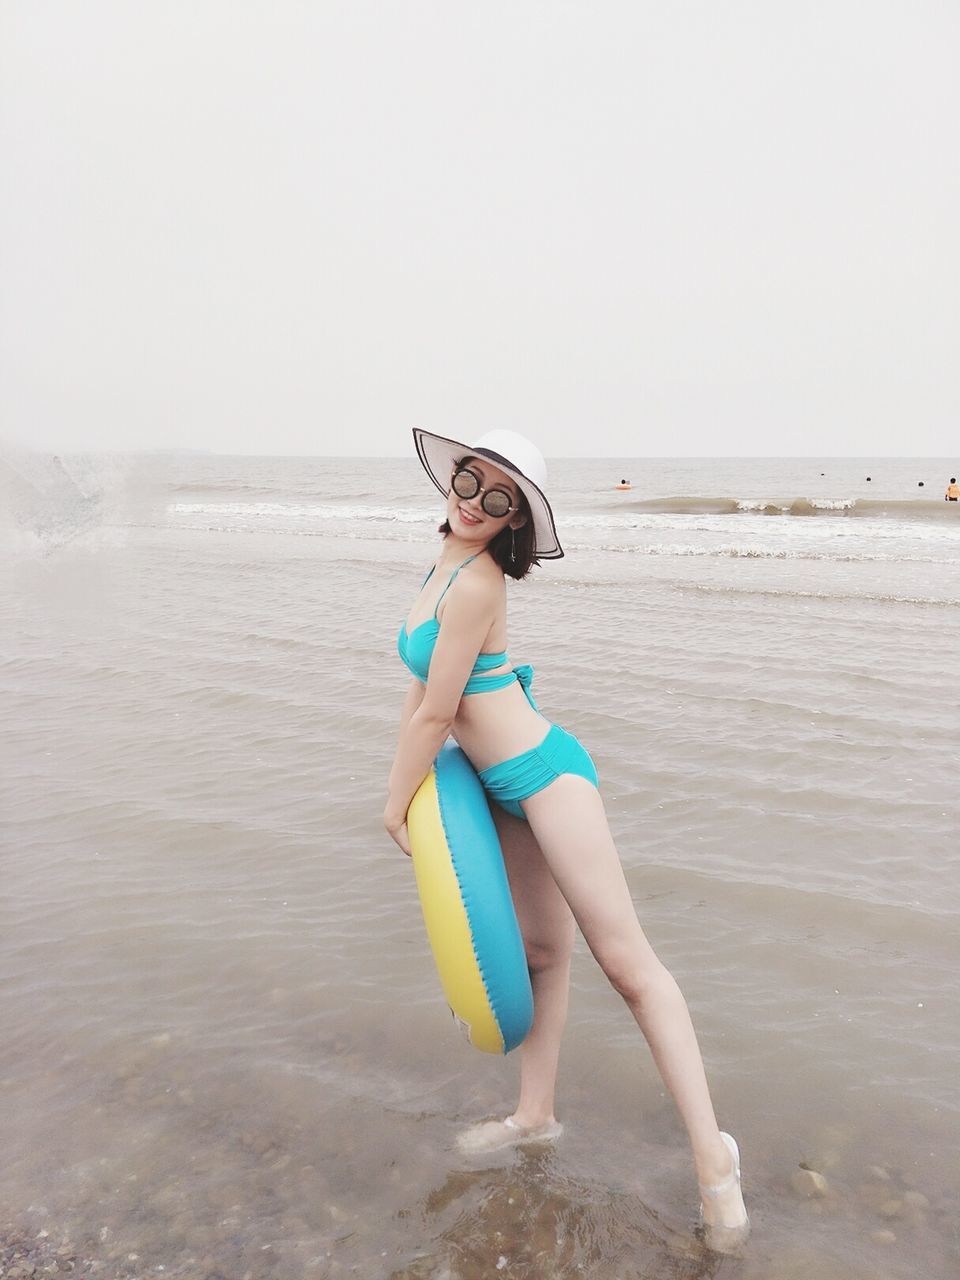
561,861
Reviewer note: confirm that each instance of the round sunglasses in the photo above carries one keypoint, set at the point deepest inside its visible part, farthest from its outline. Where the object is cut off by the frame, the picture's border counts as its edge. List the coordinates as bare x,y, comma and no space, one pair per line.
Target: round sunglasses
495,502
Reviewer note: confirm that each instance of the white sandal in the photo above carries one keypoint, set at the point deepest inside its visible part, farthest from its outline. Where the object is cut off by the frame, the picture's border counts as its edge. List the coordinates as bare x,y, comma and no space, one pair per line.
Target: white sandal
492,1135
724,1236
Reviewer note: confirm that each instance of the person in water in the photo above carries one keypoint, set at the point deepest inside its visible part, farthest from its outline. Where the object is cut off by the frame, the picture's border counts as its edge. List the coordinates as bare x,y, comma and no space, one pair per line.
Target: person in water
953,491
561,860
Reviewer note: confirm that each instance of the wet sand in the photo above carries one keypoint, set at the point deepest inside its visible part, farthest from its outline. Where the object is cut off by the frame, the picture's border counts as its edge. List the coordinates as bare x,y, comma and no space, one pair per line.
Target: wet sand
178,1171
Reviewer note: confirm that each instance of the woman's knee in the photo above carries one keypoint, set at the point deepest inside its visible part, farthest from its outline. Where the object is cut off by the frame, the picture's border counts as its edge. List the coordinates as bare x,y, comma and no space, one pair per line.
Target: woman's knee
639,979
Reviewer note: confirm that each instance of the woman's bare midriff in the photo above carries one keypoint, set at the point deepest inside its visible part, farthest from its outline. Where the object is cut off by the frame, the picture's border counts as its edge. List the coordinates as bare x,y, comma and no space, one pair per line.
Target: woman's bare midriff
492,727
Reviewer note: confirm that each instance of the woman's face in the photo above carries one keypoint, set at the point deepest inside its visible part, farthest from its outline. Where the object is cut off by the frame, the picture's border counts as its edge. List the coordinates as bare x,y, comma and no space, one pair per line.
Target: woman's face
467,518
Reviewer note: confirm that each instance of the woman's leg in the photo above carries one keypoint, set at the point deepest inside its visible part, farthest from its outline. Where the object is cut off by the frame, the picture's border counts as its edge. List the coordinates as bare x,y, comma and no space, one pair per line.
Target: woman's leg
547,926
568,821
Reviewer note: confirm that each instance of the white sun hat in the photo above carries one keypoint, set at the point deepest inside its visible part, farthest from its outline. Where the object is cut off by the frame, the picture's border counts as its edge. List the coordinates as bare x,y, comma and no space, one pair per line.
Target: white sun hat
509,451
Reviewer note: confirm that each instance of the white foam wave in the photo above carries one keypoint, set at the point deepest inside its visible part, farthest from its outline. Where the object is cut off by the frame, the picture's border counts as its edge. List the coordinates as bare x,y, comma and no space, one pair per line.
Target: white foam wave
291,514
801,505
791,540
733,551
255,511
877,597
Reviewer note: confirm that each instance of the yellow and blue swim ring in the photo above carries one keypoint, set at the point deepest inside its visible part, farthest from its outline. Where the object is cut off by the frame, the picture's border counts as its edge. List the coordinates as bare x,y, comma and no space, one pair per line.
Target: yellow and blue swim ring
467,907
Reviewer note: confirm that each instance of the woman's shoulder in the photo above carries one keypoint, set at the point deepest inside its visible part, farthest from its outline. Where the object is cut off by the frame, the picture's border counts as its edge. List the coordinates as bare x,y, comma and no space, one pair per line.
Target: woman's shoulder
481,584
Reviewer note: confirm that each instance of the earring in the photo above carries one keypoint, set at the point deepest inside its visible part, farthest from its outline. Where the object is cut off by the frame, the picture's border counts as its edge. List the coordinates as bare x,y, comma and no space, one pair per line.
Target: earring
513,545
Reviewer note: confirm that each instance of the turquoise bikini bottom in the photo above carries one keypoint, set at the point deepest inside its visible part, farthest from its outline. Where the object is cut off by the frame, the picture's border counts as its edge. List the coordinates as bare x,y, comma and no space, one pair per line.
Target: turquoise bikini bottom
524,775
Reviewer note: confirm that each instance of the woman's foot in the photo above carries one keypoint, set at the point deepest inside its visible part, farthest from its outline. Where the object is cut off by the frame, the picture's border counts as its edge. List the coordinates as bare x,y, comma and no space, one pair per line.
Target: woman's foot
725,1221
492,1135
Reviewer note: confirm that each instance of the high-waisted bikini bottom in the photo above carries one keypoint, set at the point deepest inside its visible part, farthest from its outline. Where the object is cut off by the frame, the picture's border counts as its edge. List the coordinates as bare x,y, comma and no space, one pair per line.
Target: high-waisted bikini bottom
524,775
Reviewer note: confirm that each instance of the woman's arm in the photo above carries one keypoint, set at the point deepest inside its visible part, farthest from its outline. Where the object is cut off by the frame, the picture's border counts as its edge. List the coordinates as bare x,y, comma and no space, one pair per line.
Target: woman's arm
410,703
466,621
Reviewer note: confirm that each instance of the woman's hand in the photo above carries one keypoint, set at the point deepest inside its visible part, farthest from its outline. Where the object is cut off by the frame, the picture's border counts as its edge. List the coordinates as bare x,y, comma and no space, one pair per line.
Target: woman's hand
396,825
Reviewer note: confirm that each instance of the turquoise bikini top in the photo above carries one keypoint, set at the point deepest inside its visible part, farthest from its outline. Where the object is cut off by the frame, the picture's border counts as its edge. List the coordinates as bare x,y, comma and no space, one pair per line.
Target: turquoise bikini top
416,650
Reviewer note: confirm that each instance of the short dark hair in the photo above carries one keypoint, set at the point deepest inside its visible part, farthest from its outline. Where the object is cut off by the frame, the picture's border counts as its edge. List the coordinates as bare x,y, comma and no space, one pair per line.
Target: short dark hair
514,550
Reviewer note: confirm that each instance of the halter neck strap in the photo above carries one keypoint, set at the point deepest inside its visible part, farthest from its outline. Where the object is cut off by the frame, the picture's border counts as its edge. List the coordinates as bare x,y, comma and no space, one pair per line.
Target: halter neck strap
451,580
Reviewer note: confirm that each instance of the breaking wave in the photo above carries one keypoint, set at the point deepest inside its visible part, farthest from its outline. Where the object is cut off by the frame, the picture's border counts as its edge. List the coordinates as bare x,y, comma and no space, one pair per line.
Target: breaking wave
858,508
732,551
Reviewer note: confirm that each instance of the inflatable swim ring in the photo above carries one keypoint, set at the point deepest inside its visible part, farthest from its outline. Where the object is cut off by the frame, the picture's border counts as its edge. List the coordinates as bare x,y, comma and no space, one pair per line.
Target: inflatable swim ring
467,906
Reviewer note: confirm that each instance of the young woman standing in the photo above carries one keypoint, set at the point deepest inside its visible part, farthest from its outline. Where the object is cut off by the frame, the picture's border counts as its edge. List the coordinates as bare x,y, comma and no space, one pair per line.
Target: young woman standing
561,861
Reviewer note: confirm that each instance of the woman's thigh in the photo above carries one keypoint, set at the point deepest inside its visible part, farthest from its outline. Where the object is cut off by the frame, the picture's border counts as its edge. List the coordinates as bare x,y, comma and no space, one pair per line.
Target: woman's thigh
569,824
545,919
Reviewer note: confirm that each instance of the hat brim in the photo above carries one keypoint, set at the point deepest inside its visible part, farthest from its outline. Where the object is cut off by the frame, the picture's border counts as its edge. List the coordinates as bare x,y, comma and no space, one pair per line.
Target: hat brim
438,455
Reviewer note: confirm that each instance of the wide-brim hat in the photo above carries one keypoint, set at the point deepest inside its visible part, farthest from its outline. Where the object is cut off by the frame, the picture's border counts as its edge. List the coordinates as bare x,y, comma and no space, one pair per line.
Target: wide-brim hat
511,452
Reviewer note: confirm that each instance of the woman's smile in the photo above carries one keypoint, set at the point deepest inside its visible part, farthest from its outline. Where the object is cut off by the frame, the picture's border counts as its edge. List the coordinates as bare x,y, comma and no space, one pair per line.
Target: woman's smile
468,517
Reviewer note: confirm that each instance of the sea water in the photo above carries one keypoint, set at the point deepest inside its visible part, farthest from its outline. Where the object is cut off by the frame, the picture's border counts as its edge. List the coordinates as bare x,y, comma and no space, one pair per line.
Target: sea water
225,1050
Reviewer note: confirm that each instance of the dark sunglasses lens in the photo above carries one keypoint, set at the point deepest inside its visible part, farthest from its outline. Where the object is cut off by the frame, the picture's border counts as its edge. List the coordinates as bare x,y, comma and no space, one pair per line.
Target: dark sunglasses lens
465,484
496,503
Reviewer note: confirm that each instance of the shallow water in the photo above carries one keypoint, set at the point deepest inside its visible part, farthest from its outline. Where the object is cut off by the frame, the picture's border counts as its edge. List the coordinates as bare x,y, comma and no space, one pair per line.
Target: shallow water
225,1051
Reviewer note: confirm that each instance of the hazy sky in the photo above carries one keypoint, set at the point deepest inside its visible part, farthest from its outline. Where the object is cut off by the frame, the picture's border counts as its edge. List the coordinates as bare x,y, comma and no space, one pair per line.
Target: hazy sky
625,228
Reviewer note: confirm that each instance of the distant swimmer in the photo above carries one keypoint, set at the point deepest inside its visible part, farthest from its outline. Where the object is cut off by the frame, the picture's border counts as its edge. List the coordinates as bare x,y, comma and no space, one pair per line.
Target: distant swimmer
919,484
953,491
624,484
